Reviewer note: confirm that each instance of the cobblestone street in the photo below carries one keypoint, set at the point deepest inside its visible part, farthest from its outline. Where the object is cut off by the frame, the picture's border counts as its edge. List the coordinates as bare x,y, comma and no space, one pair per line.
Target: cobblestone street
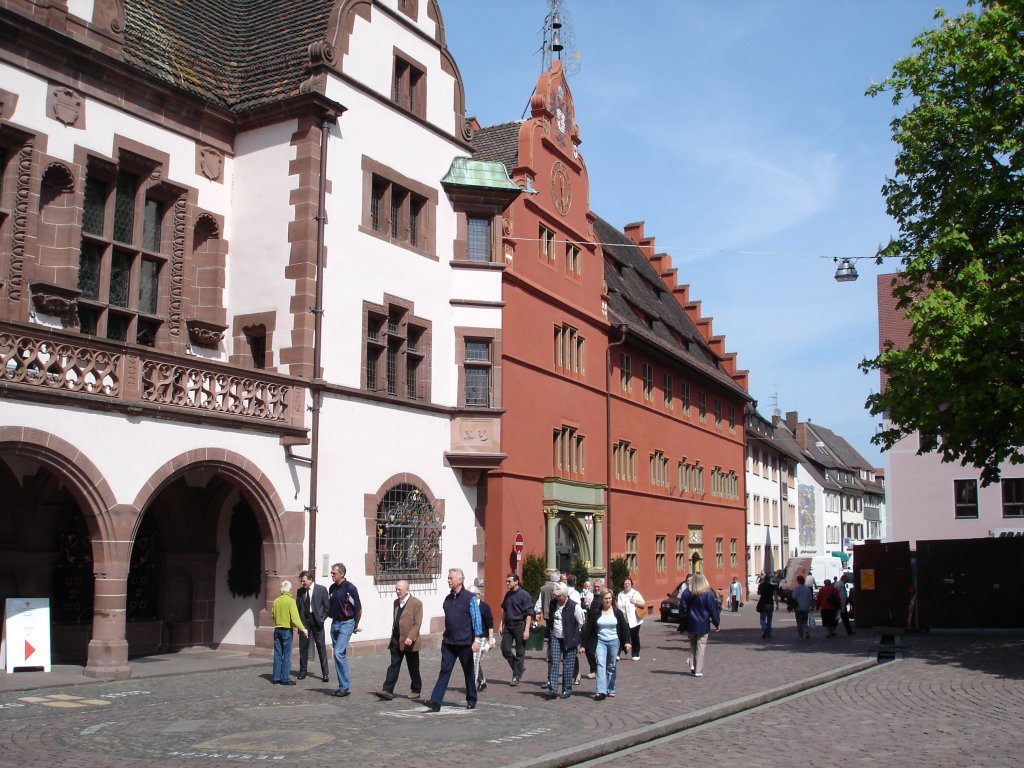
951,701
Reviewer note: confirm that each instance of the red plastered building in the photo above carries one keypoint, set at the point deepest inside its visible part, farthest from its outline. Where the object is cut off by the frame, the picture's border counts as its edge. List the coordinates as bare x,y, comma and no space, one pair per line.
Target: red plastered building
623,413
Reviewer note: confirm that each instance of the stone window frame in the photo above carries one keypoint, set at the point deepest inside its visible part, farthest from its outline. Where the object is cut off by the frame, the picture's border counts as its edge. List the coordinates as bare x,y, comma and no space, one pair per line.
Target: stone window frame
376,318
493,337
410,8
660,555
631,551
648,381
570,351
371,504
546,244
150,167
573,260
409,84
569,451
380,184
624,453
245,327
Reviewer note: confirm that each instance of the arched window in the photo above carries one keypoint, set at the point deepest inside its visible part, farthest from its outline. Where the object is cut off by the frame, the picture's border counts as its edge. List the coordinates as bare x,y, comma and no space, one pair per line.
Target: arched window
408,542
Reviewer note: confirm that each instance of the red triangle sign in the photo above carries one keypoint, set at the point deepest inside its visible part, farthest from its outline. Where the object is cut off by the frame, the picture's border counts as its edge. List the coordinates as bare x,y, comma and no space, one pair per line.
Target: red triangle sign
29,650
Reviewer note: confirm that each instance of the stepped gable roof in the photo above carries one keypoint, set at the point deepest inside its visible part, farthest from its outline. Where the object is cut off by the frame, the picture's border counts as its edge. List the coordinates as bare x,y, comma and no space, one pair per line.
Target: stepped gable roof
498,144
237,54
634,285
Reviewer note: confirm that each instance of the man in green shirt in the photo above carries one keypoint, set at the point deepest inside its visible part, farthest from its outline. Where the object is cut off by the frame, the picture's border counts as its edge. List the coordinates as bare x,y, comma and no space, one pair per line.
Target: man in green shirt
286,616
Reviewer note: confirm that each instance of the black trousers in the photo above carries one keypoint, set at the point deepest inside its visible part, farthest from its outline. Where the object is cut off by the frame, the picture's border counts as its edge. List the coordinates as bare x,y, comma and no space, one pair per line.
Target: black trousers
412,662
512,635
845,616
316,634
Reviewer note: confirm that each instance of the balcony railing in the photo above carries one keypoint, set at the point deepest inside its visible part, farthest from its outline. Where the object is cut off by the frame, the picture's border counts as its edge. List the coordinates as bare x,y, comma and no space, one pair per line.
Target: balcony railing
50,364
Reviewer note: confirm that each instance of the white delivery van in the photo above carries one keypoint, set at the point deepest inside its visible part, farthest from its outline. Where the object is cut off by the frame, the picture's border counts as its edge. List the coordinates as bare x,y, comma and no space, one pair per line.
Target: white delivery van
820,567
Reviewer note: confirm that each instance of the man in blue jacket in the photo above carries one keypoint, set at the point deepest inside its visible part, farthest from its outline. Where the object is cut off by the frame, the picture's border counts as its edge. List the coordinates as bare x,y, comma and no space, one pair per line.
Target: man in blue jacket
462,627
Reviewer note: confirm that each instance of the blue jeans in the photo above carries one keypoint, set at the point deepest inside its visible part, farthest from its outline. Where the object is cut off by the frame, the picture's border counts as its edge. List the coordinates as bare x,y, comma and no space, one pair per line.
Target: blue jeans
449,655
607,653
282,654
341,633
766,620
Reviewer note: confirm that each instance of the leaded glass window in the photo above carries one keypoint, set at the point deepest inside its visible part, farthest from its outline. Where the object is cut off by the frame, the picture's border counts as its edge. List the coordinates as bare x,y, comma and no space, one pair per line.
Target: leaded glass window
124,208
152,219
478,373
89,270
117,282
148,286
120,278
95,201
408,541
479,233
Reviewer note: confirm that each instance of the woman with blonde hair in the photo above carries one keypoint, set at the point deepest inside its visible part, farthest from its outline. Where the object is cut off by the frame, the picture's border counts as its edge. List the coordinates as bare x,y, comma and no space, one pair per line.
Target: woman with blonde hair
701,611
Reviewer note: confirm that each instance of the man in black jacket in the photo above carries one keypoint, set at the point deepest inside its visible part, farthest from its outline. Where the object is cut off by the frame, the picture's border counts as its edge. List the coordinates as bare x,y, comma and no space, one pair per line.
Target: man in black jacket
314,604
462,627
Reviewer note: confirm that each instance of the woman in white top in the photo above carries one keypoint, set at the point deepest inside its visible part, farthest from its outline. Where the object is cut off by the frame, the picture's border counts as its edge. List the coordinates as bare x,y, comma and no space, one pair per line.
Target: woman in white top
628,601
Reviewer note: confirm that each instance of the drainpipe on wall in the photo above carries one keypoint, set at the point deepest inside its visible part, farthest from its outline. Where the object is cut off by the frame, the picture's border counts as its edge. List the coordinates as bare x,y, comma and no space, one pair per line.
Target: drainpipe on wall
608,454
316,383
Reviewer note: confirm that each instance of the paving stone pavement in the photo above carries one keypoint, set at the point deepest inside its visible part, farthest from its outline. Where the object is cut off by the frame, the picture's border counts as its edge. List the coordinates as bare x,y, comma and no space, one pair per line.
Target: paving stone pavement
232,716
951,701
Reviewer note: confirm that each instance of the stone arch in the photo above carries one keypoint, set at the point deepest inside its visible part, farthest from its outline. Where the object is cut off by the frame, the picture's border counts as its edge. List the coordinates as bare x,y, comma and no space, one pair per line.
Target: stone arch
371,504
106,522
282,530
251,482
86,483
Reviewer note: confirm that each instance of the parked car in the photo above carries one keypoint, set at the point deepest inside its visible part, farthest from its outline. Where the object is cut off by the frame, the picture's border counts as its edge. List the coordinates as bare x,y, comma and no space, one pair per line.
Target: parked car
670,605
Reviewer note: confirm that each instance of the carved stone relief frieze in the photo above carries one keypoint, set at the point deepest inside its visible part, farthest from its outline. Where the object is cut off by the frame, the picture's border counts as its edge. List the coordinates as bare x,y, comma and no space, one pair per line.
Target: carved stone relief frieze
19,223
210,163
8,102
109,14
177,266
56,301
203,334
66,106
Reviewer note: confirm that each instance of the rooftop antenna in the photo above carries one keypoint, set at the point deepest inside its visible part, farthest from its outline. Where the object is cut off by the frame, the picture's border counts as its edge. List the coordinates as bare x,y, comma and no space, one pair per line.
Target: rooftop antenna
775,404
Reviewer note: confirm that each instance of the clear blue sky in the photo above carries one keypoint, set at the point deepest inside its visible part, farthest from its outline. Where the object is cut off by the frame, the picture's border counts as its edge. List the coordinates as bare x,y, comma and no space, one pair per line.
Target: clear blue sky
740,133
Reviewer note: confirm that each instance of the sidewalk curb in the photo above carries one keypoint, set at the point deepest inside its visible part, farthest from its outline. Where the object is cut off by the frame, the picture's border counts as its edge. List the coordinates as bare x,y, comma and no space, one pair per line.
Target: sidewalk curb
672,725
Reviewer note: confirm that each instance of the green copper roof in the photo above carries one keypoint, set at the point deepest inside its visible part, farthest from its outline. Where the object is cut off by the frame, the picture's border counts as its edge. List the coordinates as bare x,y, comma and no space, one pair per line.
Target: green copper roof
467,172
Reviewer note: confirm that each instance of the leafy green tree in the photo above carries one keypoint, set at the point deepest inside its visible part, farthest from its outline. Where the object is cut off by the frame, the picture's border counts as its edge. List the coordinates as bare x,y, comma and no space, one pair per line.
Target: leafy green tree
618,572
958,198
581,572
534,574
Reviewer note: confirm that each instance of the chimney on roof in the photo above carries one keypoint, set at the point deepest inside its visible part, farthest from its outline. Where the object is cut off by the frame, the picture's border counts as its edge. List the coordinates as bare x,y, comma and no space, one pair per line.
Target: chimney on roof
792,419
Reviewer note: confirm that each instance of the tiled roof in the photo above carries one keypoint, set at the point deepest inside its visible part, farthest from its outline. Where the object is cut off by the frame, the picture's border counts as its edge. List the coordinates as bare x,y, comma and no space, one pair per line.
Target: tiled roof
238,54
499,144
634,285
